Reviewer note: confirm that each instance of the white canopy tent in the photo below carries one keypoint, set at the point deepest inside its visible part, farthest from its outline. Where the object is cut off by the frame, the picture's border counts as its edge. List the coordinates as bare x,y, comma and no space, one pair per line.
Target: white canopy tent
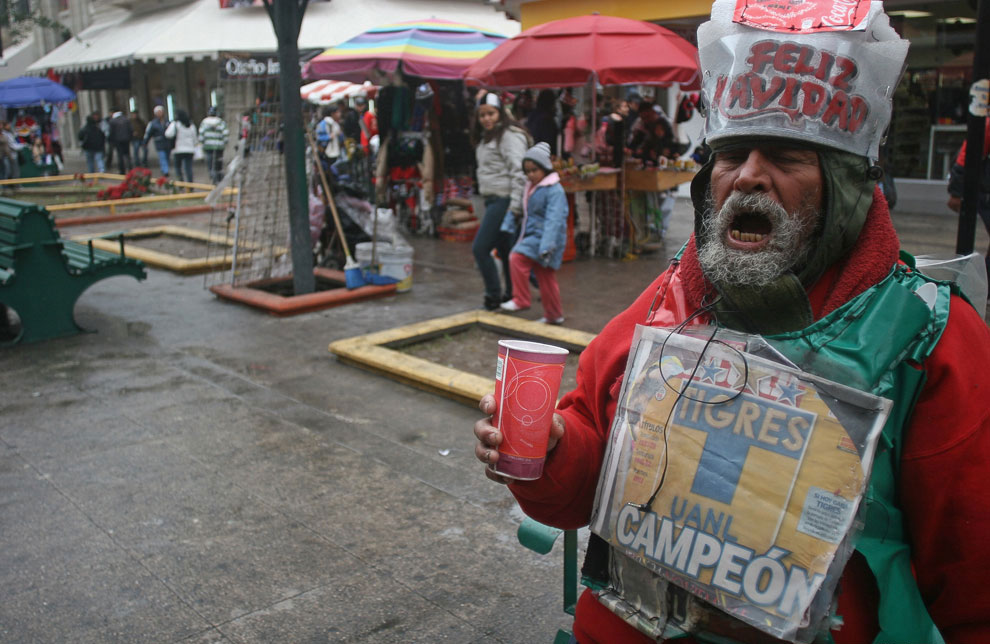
324,92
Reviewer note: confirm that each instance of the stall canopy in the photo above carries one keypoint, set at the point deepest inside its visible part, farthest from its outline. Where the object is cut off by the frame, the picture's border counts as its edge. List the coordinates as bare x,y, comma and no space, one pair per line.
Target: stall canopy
433,48
572,51
323,92
29,90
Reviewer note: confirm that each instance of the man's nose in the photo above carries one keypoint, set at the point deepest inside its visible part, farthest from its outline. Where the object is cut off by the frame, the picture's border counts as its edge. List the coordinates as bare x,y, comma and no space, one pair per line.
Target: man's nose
752,175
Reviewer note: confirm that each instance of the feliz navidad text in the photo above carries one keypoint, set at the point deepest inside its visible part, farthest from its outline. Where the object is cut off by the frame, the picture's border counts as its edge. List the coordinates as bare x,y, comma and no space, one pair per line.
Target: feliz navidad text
798,80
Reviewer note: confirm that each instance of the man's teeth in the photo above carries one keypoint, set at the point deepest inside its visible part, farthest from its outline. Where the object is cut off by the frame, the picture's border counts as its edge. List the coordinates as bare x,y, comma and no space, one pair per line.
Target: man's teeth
746,237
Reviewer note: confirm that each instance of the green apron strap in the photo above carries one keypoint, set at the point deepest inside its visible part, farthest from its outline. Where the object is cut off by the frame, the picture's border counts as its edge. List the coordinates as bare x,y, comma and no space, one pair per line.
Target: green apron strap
858,345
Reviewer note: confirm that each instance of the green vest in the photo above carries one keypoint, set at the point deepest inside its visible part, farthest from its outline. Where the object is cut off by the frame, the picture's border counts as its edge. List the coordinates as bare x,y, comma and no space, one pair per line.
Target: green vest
870,343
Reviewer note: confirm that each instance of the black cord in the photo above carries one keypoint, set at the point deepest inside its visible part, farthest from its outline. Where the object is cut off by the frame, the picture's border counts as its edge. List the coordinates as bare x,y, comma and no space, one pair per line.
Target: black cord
685,384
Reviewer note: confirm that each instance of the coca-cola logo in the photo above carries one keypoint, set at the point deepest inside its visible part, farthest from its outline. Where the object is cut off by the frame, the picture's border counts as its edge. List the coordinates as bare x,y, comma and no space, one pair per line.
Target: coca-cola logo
802,16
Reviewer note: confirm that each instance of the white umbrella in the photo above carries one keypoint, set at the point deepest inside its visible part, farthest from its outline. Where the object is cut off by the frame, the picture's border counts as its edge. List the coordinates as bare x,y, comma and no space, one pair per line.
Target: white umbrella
323,92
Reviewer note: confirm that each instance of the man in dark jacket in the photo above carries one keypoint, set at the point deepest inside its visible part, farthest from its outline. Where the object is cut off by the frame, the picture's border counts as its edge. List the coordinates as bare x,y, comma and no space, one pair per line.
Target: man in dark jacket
93,143
120,139
139,151
983,195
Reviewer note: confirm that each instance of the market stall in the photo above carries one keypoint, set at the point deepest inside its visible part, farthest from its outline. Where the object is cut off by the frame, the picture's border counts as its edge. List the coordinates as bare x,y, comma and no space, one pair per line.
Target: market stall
425,158
588,51
29,105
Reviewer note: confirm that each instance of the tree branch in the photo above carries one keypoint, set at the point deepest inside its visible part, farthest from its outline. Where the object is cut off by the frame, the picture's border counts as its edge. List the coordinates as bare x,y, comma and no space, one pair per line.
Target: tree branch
21,22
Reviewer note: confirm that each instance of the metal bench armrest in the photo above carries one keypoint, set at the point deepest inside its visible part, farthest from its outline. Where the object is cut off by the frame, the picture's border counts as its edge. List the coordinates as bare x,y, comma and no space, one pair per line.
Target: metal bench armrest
540,539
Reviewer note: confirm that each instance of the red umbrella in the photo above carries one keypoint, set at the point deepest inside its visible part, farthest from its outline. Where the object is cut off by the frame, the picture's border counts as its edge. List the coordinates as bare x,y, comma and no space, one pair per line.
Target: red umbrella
571,51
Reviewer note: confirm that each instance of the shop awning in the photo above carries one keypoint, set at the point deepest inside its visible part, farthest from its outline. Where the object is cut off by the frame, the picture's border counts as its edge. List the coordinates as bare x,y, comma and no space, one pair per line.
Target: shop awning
200,29
111,42
208,29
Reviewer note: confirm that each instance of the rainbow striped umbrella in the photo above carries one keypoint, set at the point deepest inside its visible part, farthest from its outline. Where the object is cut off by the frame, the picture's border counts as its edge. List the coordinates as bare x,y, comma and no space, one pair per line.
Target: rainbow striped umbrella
426,48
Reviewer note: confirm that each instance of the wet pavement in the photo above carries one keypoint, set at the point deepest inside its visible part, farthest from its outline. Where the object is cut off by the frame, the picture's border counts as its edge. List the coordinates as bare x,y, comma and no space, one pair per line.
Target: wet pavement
198,471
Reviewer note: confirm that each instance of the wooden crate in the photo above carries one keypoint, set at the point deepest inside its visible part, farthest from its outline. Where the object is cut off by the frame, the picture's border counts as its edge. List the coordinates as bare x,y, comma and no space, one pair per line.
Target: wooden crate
656,180
600,181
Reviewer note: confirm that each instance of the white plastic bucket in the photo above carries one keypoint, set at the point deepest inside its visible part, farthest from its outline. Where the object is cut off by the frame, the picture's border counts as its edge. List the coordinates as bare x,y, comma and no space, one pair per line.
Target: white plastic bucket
392,262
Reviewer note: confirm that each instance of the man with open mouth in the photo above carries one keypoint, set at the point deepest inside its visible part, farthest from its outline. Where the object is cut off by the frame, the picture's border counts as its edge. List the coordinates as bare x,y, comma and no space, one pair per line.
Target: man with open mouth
793,242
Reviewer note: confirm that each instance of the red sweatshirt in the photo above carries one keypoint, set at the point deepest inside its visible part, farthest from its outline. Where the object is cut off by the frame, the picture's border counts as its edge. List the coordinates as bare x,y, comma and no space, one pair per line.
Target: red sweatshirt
944,478
961,157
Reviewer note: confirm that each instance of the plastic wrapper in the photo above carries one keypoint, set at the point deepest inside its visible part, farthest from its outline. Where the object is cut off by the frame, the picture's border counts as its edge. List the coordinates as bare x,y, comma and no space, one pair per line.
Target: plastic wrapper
968,272
833,88
365,215
731,481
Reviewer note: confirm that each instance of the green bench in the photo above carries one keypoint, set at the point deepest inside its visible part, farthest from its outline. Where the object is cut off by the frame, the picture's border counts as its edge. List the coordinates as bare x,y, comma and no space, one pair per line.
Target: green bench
540,539
42,275
29,169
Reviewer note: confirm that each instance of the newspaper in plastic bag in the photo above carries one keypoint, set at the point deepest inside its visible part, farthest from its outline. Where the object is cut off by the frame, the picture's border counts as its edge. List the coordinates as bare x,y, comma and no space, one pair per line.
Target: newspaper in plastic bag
736,478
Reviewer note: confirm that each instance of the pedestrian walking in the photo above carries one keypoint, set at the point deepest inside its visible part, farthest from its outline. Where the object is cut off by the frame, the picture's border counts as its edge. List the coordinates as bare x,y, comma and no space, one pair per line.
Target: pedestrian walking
330,136
501,144
183,133
120,139
213,135
156,132
108,153
139,149
543,236
11,152
93,142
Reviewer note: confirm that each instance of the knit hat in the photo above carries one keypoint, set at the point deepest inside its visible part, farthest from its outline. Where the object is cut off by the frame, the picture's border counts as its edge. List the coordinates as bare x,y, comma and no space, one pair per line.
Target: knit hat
540,155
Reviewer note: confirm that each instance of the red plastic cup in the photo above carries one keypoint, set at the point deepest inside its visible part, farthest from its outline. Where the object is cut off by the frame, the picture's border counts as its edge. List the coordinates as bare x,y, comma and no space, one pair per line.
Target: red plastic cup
527,380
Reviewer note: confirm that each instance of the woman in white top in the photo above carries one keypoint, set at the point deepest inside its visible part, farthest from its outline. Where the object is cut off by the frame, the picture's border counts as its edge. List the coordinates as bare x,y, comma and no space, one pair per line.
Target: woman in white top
183,132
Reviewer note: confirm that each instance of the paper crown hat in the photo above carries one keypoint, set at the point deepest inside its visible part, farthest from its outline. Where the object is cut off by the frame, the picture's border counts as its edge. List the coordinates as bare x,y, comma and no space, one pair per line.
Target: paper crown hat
817,71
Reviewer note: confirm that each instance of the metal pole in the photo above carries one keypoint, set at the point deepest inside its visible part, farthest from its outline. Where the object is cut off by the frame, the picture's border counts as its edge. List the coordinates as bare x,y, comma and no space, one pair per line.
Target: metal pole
593,238
976,125
241,171
287,17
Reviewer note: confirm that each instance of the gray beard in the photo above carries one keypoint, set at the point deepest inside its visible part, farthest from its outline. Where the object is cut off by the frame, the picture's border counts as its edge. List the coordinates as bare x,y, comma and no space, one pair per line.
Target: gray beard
788,248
